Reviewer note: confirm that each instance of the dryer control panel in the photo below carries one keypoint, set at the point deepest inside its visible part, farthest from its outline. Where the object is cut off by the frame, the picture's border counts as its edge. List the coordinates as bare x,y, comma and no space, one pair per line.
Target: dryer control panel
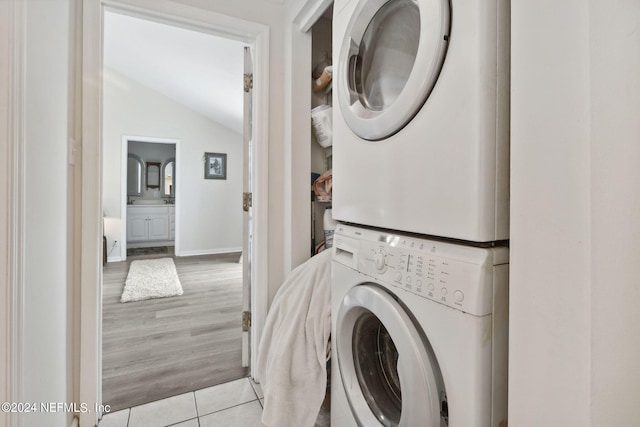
455,275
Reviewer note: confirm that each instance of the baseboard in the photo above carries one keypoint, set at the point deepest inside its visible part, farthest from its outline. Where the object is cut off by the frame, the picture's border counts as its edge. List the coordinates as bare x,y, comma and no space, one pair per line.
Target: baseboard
114,259
210,252
152,244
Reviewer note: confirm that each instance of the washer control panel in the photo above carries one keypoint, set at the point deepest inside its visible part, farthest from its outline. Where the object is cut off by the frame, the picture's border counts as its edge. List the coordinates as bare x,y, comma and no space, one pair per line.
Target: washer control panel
455,275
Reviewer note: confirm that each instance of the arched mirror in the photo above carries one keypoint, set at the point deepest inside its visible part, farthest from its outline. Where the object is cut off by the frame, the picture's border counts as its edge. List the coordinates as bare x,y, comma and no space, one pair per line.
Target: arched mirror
168,181
135,175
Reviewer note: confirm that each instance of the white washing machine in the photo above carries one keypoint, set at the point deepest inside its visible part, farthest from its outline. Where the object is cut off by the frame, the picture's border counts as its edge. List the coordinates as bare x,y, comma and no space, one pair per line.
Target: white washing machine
421,122
419,332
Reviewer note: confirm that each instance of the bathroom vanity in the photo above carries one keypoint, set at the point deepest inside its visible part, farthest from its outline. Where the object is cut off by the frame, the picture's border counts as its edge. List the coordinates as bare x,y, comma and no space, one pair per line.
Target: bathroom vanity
150,224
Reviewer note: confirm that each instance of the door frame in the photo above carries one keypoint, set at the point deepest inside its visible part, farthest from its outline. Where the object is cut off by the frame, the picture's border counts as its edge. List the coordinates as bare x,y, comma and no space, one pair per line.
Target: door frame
90,182
124,198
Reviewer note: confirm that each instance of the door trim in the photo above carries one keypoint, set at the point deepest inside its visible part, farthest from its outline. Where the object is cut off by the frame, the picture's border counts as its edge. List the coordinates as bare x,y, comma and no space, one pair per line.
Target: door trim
310,12
90,226
297,238
123,201
12,213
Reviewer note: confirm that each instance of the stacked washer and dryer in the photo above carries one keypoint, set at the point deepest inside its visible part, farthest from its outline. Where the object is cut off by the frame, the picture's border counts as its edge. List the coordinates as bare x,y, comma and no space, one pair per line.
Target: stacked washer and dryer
421,191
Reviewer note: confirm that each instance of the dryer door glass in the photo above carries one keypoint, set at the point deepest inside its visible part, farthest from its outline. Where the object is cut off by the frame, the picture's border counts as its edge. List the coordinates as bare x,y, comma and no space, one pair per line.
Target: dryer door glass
389,62
387,54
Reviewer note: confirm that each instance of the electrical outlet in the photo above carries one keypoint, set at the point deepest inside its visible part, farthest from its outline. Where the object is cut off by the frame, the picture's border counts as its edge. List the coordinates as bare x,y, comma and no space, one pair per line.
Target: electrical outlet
115,243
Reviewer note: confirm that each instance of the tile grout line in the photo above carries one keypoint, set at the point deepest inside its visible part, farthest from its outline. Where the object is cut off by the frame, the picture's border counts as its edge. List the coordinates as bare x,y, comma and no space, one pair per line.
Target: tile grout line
255,391
230,407
183,421
195,402
253,388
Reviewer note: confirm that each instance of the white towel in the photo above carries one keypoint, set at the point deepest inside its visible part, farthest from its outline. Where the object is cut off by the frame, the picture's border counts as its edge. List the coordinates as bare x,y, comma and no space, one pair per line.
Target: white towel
292,354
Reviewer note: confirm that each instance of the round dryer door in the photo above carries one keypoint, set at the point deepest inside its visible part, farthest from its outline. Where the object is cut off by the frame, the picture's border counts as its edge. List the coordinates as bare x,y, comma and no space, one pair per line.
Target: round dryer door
390,60
388,371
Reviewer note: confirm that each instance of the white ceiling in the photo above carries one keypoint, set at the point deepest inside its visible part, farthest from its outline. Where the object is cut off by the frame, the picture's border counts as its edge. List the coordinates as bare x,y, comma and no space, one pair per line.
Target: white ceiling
199,70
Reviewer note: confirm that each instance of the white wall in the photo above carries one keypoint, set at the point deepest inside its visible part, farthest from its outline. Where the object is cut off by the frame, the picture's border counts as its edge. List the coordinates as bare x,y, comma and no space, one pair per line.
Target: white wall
615,213
47,336
574,213
210,218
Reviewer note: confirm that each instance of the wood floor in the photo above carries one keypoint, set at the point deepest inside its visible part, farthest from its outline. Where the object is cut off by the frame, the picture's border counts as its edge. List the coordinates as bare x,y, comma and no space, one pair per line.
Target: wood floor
162,347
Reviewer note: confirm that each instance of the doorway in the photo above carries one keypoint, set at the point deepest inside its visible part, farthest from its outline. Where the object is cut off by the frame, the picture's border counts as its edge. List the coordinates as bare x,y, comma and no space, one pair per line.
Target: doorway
166,80
253,35
138,154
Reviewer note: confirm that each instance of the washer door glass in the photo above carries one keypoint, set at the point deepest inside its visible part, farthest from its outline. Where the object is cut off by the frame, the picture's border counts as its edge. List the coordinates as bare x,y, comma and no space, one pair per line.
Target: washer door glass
390,60
388,370
376,360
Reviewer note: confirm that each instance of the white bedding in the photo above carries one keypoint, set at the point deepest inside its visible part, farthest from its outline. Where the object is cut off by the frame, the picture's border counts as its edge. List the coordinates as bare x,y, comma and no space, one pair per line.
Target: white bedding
292,354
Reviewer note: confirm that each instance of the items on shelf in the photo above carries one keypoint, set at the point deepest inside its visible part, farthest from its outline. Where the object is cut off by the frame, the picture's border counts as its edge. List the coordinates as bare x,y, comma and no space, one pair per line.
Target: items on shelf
329,227
323,80
322,187
322,125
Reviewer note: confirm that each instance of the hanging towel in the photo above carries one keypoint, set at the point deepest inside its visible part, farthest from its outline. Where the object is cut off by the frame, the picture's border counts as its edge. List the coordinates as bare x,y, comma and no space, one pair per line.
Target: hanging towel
292,354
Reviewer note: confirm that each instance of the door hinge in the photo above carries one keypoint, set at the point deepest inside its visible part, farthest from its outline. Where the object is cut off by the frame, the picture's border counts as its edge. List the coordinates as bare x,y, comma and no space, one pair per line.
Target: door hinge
246,321
248,82
247,201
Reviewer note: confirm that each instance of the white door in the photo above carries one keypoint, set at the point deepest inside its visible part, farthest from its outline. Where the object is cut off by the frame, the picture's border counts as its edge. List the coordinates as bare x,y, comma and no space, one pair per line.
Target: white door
380,351
389,62
247,206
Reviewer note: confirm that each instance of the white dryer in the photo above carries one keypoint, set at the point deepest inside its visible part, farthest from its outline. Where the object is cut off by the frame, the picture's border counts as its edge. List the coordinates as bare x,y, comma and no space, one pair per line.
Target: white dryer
421,122
419,332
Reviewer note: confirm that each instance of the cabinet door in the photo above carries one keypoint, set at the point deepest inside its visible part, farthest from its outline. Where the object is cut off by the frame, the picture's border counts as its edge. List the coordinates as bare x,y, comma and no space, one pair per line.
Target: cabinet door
158,227
137,228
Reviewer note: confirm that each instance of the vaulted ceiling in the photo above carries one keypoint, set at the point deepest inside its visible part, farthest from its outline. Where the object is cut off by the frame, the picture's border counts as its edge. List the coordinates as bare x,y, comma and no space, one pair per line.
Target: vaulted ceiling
199,70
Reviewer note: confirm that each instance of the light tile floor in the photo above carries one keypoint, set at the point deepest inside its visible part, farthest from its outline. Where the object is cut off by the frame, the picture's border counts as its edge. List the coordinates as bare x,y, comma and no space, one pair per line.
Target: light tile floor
236,403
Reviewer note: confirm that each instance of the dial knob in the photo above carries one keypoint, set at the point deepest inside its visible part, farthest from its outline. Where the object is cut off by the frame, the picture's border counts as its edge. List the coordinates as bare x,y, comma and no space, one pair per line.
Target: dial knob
380,260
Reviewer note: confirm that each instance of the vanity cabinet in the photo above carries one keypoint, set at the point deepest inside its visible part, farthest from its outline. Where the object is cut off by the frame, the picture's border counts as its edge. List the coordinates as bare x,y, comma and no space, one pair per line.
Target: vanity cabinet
150,223
172,223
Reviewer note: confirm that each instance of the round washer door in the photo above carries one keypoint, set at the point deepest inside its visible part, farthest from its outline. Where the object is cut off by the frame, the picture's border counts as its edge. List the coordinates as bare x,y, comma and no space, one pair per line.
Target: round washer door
389,373
390,59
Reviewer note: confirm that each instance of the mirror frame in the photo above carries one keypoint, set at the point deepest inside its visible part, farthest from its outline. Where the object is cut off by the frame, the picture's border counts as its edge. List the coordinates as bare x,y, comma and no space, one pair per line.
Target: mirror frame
153,174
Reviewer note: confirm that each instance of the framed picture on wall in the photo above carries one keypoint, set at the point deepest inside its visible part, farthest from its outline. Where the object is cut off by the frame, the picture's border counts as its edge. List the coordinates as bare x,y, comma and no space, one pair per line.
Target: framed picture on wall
215,166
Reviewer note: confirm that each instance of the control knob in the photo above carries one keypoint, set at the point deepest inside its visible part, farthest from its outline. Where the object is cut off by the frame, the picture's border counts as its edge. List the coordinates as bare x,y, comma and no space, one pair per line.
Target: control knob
380,261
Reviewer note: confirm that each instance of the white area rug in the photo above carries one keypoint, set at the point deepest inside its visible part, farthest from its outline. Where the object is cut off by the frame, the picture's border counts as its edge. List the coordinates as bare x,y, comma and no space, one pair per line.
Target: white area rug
151,278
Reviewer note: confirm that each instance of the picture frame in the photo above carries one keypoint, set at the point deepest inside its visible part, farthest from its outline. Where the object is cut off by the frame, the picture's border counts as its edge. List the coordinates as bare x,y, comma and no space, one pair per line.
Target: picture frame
215,166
